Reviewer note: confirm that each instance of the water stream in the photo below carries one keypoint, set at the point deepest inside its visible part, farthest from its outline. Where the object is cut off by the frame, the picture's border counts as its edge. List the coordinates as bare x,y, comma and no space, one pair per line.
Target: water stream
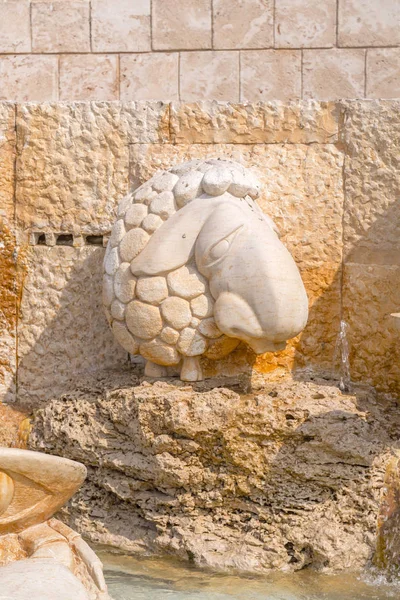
131,578
342,356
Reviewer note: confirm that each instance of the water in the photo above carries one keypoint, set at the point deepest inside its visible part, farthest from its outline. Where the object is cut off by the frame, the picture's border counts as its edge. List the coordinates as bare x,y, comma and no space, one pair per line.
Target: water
131,578
342,353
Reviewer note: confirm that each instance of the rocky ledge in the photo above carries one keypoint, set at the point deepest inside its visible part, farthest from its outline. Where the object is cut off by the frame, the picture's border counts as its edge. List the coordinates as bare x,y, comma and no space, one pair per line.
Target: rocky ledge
285,476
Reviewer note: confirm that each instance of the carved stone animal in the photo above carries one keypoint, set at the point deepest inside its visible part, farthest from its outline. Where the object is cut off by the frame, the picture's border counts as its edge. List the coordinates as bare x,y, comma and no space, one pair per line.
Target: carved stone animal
193,267
41,558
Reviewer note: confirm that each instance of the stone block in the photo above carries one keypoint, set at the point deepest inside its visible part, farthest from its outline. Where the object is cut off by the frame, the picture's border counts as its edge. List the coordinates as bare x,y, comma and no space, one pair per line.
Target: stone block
244,24
60,27
333,74
186,26
369,23
122,26
270,75
296,180
62,330
89,77
301,122
209,75
15,29
150,76
383,73
370,137
29,78
370,294
77,191
305,23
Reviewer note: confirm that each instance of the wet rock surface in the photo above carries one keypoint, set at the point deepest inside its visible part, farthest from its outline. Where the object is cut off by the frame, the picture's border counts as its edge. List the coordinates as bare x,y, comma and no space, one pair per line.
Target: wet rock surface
284,476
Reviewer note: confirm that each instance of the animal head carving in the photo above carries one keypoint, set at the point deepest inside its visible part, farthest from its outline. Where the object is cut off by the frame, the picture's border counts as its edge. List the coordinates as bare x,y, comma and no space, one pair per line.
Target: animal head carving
33,486
193,266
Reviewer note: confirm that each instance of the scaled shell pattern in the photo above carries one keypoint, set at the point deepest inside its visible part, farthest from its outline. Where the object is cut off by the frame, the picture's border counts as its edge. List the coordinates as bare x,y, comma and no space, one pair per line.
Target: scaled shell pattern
166,317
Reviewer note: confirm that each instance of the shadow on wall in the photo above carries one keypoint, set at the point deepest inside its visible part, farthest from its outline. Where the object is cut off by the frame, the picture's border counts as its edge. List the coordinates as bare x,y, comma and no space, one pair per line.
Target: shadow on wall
363,293
62,331
63,336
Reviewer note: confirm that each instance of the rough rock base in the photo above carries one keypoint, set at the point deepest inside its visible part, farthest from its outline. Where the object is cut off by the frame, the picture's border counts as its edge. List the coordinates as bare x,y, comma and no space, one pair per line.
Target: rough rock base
285,476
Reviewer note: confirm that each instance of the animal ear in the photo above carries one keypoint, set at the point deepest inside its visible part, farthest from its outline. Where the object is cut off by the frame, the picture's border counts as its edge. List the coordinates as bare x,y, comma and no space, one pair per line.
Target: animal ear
218,235
40,485
171,246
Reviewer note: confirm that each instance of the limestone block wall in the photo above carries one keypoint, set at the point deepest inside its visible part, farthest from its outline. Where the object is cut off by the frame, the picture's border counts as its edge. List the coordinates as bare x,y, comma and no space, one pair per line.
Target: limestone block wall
189,50
331,181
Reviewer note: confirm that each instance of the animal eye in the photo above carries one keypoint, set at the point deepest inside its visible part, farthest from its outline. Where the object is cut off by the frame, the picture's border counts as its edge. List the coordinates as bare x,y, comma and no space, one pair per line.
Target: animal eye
219,249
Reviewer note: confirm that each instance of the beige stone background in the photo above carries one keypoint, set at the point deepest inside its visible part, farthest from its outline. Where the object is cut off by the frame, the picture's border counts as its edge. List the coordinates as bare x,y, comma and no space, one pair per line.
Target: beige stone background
331,181
189,50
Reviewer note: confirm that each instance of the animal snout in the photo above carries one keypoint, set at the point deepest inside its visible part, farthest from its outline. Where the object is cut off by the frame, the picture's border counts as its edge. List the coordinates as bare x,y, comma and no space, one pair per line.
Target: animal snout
267,330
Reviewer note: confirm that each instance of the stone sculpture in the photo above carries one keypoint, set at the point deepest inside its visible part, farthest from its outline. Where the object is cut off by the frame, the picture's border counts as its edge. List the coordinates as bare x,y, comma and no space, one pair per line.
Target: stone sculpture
193,266
41,558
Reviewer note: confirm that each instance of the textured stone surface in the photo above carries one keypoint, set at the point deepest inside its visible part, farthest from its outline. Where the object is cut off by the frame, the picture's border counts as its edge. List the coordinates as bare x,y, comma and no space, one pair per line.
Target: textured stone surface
383,73
369,23
152,289
89,77
15,427
143,320
124,283
278,75
183,29
79,188
150,76
122,26
305,23
296,179
251,481
133,242
7,158
333,74
209,75
186,283
28,78
316,348
62,330
15,30
370,294
243,24
272,122
176,311
371,137
10,266
8,310
60,26
387,553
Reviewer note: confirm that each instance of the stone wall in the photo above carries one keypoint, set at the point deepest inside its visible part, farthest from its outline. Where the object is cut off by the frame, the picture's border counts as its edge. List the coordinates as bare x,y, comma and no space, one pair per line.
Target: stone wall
189,50
331,181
